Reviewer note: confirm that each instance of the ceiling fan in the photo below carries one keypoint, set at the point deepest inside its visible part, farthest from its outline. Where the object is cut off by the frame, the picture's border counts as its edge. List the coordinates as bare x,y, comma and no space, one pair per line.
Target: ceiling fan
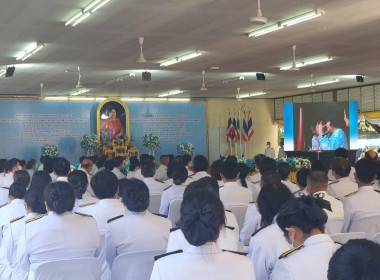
294,66
259,19
203,87
141,58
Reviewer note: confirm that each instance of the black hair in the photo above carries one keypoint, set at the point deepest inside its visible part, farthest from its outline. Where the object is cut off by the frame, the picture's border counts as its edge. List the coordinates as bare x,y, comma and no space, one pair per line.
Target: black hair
100,162
318,180
61,166
283,170
232,158
267,165
3,165
229,170
48,164
164,159
341,152
31,163
258,159
104,184
270,177
78,179
271,197
318,165
40,179
94,159
244,171
202,215
81,159
216,169
148,168
117,161
341,166
17,190
109,164
302,177
89,163
143,157
60,197
200,163
135,194
358,259
205,184
34,198
366,170
22,176
179,174
186,159
304,212
22,163
12,163
133,163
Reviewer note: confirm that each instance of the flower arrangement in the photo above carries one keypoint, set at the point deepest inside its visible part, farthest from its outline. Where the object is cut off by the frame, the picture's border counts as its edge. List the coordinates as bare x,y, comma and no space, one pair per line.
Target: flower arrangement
89,142
151,142
50,150
296,163
247,161
185,148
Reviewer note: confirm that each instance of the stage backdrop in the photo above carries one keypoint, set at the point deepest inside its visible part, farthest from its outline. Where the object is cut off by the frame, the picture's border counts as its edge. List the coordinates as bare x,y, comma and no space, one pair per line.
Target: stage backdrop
27,125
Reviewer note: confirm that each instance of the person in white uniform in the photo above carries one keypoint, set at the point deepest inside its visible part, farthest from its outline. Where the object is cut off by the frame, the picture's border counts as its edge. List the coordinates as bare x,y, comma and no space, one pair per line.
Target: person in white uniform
134,165
161,172
243,170
179,174
148,169
357,259
6,179
343,185
284,171
40,179
268,243
215,171
202,218
343,153
14,209
118,165
79,180
302,181
145,231
200,165
229,236
302,221
186,159
61,234
34,205
87,166
231,194
269,151
61,169
255,178
366,202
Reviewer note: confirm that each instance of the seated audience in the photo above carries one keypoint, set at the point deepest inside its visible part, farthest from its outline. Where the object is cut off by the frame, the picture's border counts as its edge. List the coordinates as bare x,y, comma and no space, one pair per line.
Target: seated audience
79,180
186,159
48,167
243,170
341,152
31,166
215,170
148,169
343,185
302,180
11,167
284,171
40,180
118,165
134,165
200,165
61,168
255,178
22,176
161,172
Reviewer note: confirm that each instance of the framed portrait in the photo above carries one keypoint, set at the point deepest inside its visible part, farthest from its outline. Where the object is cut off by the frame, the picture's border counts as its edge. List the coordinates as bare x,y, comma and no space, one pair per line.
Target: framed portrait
112,119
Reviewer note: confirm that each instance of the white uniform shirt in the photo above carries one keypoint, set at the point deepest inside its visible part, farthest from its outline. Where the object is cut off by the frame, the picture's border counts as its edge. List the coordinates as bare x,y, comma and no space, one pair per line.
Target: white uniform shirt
161,173
269,152
15,209
251,223
85,201
254,188
293,188
376,185
204,262
62,179
351,175
55,237
365,203
342,187
336,206
265,247
53,177
6,180
189,172
136,232
231,194
131,174
89,176
118,173
255,178
170,194
310,262
138,175
4,196
154,186
199,175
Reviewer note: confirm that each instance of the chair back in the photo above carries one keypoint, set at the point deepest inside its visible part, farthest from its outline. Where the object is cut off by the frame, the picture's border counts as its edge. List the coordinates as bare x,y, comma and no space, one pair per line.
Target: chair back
369,225
376,238
73,269
134,265
334,226
155,202
175,211
342,238
239,212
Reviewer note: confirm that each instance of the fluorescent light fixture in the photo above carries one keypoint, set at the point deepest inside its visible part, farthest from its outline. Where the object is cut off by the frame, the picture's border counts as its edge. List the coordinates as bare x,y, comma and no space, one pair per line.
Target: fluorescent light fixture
155,99
179,99
56,98
86,12
100,98
174,92
306,63
29,51
181,58
132,99
81,98
318,84
2,72
288,22
252,94
75,93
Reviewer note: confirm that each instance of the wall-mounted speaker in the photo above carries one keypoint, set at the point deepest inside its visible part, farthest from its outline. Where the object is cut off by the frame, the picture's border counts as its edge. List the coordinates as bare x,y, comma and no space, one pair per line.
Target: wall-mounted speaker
360,79
146,76
260,76
10,71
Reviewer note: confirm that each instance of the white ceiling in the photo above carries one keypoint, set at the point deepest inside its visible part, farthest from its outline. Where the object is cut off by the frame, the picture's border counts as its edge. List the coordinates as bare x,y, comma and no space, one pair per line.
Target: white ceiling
105,46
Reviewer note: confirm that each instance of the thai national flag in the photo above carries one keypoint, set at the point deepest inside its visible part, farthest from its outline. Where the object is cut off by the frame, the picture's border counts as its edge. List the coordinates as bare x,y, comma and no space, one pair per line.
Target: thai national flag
237,130
250,128
228,128
245,128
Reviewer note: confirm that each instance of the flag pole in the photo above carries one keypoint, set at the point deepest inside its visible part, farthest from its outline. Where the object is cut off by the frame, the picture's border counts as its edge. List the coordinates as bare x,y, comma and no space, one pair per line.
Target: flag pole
228,130
240,133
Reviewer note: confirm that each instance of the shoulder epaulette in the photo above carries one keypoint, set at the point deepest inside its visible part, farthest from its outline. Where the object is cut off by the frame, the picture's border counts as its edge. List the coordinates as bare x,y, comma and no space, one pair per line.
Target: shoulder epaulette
168,187
190,176
164,216
34,219
16,219
231,228
226,210
253,201
253,234
253,173
377,191
235,252
257,182
114,218
87,204
333,183
174,229
167,254
221,186
287,253
5,188
297,191
83,214
347,195
3,205
159,181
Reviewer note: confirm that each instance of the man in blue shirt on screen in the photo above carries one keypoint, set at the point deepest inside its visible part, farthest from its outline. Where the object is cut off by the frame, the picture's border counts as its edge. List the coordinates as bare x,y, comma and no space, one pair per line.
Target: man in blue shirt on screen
334,138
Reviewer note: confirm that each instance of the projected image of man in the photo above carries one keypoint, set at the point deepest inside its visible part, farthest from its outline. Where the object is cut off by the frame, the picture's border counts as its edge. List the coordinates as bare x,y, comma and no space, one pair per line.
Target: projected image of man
334,137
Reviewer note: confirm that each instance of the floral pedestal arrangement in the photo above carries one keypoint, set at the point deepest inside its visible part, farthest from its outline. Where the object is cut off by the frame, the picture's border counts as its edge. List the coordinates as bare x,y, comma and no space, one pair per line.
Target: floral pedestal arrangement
151,142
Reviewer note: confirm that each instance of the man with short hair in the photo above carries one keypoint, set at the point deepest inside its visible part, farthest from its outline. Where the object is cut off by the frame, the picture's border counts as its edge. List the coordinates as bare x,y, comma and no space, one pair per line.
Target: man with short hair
161,172
255,178
118,165
11,167
343,186
302,175
188,164
365,202
341,152
269,151
148,169
61,168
